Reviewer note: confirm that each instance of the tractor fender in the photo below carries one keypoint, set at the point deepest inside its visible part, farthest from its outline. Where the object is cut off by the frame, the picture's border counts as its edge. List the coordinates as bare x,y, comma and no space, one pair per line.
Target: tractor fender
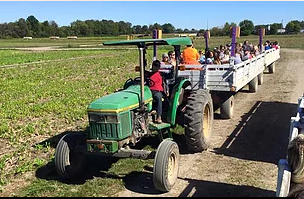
175,99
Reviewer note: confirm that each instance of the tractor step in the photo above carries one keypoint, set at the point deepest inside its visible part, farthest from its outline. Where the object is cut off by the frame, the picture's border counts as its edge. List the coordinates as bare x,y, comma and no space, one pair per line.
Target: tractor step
163,125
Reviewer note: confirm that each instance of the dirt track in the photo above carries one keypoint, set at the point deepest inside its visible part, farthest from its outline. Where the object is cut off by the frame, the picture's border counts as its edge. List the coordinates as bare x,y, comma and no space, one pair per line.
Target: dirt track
243,157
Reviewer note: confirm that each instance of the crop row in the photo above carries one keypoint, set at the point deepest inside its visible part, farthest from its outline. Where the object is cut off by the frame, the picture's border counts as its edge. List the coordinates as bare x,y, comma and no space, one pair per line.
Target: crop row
43,100
17,57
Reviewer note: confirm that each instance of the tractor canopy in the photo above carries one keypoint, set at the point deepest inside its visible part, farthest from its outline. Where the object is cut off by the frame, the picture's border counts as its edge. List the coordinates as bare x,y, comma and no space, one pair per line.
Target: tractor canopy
120,101
148,42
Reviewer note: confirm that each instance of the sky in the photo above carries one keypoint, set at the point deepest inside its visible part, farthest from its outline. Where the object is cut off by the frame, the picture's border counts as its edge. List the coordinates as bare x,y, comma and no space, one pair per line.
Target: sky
181,14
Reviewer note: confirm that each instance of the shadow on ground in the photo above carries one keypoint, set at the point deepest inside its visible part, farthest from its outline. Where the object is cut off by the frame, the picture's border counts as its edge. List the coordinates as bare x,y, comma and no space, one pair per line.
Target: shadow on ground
201,188
95,166
262,134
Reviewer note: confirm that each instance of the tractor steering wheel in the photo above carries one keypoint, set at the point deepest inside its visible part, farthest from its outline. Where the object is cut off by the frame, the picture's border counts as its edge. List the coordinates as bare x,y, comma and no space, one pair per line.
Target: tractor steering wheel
149,82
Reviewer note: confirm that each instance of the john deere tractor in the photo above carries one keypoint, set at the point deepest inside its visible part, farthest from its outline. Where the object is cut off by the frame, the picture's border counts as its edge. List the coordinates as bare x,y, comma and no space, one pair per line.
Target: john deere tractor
119,120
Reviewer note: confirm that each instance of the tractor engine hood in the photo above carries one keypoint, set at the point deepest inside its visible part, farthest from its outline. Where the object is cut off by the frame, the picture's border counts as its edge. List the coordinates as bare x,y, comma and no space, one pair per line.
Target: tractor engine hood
120,101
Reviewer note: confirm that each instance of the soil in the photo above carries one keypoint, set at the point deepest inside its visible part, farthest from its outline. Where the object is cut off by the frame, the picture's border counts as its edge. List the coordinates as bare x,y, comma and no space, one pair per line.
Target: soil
244,152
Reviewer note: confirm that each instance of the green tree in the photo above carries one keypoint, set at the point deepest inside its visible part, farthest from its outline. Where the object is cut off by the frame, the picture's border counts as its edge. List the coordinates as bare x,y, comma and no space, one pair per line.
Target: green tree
145,29
179,30
273,30
302,24
186,30
45,29
22,28
247,27
216,31
54,29
137,29
168,28
80,28
226,29
33,25
293,27
155,26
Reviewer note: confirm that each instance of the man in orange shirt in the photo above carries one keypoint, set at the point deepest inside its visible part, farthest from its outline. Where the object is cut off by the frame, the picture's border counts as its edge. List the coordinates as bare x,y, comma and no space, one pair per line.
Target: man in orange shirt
190,55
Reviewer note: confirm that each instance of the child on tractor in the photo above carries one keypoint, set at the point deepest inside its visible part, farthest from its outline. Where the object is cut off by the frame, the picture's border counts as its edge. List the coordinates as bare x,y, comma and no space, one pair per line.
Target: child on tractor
157,88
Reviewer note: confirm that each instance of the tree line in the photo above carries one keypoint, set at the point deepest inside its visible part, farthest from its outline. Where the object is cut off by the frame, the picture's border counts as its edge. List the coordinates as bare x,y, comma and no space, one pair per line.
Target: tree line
89,28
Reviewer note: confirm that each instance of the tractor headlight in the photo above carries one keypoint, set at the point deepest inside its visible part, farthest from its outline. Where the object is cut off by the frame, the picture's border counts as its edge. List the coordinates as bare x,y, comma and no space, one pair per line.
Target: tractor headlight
103,118
97,118
111,118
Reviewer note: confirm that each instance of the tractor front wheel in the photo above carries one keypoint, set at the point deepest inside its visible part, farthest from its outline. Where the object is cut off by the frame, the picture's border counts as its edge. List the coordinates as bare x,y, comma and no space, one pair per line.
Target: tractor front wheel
198,120
68,160
166,165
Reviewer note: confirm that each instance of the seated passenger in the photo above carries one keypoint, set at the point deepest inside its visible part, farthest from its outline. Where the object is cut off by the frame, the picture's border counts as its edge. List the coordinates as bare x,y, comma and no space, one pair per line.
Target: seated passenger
165,59
190,55
275,45
237,59
247,55
217,60
172,59
226,57
267,45
256,50
209,57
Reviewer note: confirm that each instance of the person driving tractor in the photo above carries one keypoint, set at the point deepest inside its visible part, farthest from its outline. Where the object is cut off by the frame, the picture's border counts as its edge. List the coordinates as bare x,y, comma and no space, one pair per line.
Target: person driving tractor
157,88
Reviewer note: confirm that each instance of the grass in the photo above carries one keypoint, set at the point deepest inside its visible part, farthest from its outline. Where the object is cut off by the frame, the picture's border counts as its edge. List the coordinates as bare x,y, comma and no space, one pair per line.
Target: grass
39,42
18,57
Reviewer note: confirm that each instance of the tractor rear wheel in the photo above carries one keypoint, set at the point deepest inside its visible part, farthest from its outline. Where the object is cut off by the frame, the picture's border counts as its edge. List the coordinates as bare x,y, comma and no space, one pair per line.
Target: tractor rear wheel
68,161
198,120
166,165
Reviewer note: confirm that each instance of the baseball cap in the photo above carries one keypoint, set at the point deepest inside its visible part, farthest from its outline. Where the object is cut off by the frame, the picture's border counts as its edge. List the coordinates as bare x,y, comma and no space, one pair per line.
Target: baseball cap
165,55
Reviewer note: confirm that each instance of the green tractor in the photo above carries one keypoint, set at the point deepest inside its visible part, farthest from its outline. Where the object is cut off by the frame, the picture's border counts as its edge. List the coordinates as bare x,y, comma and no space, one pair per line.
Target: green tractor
119,120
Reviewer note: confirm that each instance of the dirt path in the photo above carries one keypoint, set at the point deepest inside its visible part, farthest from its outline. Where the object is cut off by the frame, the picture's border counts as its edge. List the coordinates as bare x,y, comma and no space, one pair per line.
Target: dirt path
243,157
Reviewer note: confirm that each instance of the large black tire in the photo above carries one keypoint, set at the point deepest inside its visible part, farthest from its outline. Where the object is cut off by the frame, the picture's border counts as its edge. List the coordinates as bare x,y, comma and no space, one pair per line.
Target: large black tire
227,108
253,85
198,120
68,162
166,165
261,78
271,68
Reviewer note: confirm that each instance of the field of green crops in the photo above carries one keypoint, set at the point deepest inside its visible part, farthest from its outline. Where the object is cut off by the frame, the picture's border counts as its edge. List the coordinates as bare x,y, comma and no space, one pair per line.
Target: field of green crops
42,101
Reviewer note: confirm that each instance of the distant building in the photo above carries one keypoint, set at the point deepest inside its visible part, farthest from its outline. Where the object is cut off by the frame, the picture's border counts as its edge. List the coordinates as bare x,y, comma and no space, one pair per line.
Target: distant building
281,30
71,37
27,38
302,30
188,35
54,37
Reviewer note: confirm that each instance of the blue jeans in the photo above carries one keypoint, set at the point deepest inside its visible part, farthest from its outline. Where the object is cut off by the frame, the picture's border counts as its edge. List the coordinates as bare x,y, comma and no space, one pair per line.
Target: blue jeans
157,95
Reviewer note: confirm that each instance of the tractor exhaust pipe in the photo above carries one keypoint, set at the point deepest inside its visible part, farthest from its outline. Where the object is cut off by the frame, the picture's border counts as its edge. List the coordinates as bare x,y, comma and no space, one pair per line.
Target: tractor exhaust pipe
142,77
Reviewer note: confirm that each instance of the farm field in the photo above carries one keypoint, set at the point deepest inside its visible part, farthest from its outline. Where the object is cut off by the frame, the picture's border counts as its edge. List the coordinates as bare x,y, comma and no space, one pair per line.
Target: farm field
40,102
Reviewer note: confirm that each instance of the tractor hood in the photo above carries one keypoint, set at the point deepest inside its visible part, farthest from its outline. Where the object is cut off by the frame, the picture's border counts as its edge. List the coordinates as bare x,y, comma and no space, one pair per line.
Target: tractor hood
120,101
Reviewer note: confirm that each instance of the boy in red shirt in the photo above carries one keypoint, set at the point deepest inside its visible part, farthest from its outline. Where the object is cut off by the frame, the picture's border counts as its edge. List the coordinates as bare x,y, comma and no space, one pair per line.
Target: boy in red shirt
157,88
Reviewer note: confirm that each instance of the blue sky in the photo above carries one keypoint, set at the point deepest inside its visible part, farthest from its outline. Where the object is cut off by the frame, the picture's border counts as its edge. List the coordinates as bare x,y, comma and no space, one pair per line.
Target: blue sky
181,14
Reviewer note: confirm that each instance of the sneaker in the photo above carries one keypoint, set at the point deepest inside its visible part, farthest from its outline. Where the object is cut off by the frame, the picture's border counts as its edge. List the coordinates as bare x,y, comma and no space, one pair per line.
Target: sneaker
153,112
158,120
